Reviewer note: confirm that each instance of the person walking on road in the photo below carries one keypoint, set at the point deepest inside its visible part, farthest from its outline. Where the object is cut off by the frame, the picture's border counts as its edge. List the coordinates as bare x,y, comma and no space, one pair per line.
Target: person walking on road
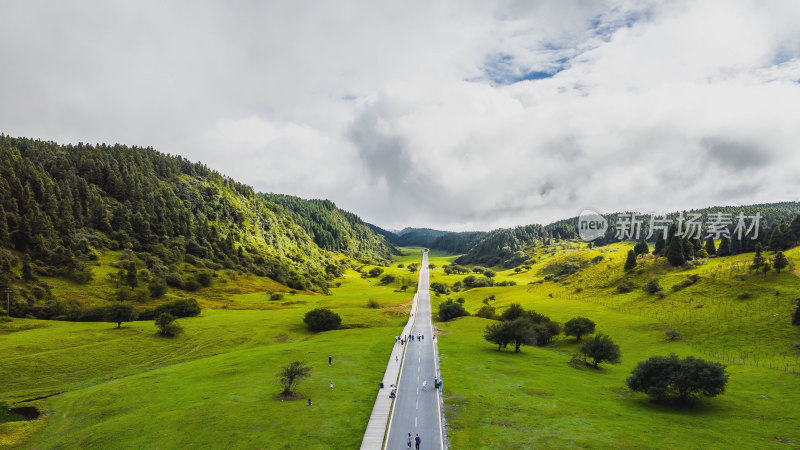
409,440
417,441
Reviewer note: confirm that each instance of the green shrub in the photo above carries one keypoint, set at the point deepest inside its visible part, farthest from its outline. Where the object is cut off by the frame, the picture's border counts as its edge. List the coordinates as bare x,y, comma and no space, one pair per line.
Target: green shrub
487,312
157,287
440,288
140,294
174,279
652,286
690,280
322,319
276,296
673,335
178,308
165,322
191,285
372,303
204,278
449,310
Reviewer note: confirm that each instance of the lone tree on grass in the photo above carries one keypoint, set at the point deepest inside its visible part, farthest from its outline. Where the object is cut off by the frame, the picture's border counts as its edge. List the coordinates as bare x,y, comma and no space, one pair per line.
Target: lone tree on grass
322,319
630,262
758,259
578,327
290,376
166,325
781,262
121,312
663,376
601,349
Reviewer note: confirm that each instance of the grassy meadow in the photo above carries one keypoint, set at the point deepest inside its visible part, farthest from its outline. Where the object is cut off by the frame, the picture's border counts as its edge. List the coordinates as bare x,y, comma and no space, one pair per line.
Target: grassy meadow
214,383
538,398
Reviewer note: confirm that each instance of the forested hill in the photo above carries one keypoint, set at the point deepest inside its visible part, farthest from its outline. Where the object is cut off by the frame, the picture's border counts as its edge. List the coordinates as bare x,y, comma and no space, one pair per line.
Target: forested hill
779,229
335,229
61,205
773,214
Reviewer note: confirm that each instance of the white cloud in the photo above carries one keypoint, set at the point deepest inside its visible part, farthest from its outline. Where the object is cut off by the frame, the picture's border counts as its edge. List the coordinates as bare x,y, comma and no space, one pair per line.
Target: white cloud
403,113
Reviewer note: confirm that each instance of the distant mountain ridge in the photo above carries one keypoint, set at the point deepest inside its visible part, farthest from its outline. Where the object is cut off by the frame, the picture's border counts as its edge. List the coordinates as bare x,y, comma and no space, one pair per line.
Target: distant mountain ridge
507,246
411,237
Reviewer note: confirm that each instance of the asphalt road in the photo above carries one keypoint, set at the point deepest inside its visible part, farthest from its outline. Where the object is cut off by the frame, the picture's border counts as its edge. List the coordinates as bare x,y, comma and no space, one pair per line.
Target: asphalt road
416,410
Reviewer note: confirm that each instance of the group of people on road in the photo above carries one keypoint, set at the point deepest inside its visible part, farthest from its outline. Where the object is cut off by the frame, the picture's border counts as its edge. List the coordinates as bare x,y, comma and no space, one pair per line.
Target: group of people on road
402,340
415,440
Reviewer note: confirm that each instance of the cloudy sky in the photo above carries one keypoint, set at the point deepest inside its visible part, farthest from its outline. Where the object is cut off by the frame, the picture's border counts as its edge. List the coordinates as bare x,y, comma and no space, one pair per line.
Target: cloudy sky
449,114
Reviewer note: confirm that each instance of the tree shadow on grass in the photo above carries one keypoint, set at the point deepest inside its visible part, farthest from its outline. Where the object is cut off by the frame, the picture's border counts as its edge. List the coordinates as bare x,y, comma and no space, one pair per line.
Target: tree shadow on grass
690,407
290,396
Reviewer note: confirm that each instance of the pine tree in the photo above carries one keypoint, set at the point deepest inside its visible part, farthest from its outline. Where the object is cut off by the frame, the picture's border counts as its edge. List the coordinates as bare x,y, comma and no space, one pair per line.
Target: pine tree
630,262
758,259
724,247
688,248
673,230
658,249
781,237
710,248
674,252
736,246
780,262
641,248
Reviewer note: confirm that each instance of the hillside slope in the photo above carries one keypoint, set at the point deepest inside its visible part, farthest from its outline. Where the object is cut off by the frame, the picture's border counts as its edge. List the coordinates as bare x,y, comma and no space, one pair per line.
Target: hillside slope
65,209
336,230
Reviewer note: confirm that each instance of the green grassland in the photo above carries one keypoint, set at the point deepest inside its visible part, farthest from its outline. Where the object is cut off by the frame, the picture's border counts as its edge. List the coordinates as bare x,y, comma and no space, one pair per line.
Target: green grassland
538,399
213,383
